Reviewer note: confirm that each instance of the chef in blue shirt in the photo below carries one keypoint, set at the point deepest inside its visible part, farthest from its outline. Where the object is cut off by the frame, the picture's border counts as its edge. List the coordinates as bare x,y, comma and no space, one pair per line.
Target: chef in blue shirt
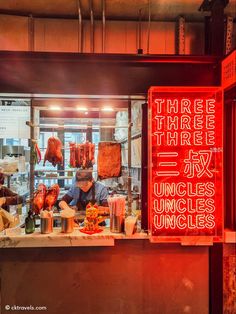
85,190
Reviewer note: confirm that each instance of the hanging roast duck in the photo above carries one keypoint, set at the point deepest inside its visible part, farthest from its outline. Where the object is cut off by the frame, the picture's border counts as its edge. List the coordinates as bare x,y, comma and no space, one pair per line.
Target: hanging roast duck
54,151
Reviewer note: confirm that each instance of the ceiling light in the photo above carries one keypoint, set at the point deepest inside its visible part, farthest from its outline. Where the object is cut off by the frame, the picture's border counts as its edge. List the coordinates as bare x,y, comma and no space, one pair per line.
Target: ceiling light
49,125
82,108
86,112
78,126
55,108
70,125
107,109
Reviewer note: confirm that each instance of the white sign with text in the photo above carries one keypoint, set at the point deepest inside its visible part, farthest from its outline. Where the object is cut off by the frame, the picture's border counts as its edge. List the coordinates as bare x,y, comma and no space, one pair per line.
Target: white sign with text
13,122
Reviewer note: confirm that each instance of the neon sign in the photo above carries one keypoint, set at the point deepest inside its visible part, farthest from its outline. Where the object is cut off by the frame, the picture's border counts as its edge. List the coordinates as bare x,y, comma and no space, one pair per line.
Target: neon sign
185,162
228,70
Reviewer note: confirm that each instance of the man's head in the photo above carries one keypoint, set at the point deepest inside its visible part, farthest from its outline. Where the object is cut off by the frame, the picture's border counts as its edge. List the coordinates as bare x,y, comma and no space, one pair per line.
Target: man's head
84,179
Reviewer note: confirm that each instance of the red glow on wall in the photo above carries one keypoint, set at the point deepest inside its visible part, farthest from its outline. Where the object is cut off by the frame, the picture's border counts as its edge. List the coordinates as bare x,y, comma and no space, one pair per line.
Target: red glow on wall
185,161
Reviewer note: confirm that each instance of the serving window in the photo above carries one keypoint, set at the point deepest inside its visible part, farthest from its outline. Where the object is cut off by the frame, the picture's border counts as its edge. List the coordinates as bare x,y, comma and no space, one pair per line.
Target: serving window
68,138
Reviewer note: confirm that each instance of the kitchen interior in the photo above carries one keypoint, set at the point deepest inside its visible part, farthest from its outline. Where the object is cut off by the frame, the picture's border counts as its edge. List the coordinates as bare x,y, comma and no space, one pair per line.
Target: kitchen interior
95,121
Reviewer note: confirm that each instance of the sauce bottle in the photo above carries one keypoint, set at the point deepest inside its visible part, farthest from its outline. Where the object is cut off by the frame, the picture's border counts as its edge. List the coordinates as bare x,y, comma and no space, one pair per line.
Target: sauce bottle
29,223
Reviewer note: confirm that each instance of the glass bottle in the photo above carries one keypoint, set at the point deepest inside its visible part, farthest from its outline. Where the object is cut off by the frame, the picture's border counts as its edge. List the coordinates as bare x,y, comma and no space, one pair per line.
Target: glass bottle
29,223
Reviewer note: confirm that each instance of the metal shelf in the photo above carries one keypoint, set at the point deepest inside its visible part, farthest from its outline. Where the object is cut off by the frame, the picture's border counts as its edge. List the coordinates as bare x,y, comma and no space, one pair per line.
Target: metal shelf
76,126
54,178
15,174
57,170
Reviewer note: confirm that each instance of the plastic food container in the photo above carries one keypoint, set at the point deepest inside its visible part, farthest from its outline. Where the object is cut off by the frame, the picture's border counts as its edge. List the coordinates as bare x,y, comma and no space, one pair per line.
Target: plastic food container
117,213
130,225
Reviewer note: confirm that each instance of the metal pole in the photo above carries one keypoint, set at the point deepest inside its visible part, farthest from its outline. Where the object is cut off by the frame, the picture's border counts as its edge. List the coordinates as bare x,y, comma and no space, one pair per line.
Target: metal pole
144,169
91,27
149,25
89,132
181,35
80,42
129,159
103,24
61,168
32,165
140,50
31,33
229,34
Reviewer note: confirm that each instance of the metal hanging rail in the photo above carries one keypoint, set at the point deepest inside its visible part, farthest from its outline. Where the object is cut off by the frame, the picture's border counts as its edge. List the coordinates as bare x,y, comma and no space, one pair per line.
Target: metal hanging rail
78,126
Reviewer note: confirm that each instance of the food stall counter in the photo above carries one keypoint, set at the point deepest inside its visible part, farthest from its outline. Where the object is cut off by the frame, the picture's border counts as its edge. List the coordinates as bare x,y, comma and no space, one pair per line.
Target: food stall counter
18,239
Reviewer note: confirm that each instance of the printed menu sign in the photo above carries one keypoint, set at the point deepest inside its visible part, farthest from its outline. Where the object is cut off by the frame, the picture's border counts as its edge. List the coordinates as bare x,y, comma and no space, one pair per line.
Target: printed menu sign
13,122
185,162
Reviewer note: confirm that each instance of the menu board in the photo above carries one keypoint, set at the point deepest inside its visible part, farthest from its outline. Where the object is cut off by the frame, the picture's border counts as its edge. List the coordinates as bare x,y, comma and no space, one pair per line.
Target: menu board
13,122
185,162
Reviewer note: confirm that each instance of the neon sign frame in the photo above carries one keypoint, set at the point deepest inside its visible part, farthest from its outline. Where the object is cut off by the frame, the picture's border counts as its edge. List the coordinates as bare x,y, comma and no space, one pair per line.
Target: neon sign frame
185,179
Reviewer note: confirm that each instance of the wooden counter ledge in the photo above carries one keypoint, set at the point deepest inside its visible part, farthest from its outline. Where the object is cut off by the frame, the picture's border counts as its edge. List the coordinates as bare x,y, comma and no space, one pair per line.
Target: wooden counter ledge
59,239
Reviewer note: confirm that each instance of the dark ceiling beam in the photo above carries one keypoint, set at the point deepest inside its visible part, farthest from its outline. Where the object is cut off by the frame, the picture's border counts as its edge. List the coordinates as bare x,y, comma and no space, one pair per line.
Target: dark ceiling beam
101,74
85,17
214,26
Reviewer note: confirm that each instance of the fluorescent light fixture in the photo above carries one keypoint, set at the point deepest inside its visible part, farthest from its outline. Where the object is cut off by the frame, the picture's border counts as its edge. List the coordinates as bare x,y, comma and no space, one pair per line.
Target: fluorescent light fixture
82,108
79,126
108,109
49,125
55,108
70,125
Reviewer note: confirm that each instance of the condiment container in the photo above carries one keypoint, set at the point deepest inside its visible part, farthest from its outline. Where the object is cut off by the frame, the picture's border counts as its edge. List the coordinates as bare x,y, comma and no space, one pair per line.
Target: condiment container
29,223
116,223
46,225
67,224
